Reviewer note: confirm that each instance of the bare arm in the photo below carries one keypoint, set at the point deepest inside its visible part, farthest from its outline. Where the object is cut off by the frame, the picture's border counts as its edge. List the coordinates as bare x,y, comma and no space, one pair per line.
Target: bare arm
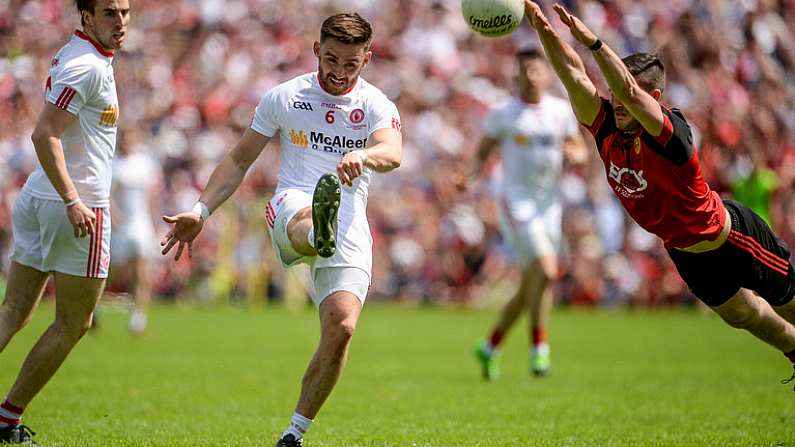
641,105
486,147
224,181
229,174
46,138
567,64
638,102
383,154
575,150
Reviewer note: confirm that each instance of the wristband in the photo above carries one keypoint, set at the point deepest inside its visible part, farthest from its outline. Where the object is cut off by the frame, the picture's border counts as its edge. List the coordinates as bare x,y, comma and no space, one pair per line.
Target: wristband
201,209
596,45
71,202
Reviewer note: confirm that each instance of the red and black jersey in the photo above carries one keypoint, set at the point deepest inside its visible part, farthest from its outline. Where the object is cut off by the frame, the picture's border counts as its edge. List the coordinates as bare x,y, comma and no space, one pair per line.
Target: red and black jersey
658,179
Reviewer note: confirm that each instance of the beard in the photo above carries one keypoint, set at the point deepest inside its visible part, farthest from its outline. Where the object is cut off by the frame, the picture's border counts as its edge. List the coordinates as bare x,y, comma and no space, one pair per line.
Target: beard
335,88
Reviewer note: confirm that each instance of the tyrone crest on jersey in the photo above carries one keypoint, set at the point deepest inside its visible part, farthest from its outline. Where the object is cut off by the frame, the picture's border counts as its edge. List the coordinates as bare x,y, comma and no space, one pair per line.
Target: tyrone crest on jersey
629,183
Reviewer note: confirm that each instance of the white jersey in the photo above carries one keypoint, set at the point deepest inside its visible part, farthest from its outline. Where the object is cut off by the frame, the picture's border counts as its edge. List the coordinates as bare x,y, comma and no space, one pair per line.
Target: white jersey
531,142
81,82
316,129
133,179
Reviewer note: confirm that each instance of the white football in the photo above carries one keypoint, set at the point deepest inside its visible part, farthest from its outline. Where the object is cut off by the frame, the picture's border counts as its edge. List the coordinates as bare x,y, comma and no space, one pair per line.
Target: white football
493,18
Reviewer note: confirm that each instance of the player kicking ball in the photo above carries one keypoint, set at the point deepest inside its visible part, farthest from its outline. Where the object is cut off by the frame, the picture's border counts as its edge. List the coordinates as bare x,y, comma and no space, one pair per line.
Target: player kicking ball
722,249
331,121
532,131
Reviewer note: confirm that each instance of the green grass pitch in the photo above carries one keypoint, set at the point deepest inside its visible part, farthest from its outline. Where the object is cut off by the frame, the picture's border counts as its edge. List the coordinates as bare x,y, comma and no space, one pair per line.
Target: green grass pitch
222,376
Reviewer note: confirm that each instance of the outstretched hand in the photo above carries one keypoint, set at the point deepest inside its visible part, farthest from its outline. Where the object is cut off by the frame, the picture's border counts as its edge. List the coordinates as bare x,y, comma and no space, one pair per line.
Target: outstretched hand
186,227
578,29
535,15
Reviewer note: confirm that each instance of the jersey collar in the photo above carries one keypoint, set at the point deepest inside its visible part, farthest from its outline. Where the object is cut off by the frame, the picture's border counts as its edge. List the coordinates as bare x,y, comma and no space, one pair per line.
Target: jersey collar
99,47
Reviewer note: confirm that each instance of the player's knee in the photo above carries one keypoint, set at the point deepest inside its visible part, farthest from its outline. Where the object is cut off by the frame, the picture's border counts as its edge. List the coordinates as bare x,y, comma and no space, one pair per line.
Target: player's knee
342,331
550,273
14,319
73,329
742,317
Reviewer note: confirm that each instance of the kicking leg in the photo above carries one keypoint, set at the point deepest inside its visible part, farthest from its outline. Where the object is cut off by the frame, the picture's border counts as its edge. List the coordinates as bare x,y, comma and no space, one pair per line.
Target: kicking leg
313,231
23,292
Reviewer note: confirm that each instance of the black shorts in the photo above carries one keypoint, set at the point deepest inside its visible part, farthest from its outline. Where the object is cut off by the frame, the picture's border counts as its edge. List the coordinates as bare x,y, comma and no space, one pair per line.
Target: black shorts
753,257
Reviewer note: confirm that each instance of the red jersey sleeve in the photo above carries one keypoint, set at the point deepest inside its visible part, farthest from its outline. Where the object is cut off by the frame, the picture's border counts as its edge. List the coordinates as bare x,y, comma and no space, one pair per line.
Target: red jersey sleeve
675,142
604,124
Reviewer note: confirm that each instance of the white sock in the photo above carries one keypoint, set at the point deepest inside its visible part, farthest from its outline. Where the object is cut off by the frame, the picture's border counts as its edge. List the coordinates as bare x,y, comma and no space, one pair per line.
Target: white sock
310,237
540,349
298,426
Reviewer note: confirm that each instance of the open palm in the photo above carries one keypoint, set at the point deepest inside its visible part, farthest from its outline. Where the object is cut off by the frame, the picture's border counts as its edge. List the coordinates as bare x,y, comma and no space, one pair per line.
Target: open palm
578,29
186,227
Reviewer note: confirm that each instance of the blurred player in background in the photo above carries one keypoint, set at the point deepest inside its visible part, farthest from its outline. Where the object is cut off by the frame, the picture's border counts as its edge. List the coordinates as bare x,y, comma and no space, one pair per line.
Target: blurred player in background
328,121
534,132
61,222
135,176
723,250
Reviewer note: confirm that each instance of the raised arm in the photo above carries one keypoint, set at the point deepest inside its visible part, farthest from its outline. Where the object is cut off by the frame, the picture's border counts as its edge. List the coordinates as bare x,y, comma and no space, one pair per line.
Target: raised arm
640,104
567,64
224,181
47,141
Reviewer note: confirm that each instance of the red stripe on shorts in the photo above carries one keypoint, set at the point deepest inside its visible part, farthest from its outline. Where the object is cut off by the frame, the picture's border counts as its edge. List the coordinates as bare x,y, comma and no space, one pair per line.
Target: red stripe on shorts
91,244
756,254
100,229
772,257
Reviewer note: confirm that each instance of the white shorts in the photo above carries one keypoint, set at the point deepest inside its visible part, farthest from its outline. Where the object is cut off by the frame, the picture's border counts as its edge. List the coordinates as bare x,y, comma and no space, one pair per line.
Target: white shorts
280,211
326,280
530,231
135,243
44,239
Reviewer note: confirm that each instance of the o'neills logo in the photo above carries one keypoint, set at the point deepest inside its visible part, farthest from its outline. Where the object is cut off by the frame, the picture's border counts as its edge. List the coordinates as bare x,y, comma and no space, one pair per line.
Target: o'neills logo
335,144
493,22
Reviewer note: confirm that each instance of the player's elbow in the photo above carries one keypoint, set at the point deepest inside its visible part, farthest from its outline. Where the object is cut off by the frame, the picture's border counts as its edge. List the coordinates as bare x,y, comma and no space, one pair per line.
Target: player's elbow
393,162
630,93
40,136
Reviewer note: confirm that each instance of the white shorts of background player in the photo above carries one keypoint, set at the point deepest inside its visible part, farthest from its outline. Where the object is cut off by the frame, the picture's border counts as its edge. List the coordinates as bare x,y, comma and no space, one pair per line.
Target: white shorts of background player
531,231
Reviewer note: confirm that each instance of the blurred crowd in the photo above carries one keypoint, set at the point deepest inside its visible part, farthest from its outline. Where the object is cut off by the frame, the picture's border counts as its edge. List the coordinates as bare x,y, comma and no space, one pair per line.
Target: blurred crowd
192,72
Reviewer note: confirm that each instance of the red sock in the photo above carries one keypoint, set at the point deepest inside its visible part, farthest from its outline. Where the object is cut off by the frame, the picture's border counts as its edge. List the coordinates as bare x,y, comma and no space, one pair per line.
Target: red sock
791,356
10,415
539,335
495,338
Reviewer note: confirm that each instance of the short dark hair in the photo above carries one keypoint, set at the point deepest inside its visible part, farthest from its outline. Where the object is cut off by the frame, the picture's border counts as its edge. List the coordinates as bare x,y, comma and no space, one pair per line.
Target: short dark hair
85,5
648,70
529,53
347,27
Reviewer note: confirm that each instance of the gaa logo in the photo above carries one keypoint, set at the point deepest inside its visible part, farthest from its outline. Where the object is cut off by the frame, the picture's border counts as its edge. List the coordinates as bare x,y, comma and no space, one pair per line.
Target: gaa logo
356,116
302,106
